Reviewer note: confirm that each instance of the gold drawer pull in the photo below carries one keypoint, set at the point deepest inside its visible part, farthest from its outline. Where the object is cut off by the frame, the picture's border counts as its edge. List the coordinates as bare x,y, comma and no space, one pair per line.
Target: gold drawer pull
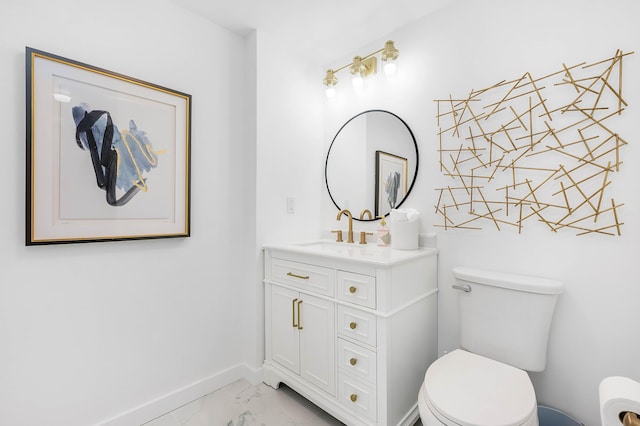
352,289
299,309
293,313
302,277
353,325
353,361
353,397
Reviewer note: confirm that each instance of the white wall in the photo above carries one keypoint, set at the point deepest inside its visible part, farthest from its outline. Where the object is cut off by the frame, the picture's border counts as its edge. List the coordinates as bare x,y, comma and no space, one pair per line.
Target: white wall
288,158
289,144
91,331
472,45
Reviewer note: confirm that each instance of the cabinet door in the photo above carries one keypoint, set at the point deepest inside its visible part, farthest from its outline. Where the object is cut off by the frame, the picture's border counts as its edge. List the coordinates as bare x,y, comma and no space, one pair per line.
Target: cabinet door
285,336
317,342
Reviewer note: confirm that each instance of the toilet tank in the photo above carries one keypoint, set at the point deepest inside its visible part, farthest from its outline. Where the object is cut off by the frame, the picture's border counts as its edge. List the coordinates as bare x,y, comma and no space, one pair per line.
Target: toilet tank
506,317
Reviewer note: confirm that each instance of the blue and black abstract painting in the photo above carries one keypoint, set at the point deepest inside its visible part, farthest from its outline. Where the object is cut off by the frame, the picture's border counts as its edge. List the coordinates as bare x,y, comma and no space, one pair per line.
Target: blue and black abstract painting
120,159
391,188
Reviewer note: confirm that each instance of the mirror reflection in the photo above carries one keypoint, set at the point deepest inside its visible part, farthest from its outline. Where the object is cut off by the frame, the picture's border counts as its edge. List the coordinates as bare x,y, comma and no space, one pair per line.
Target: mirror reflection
372,163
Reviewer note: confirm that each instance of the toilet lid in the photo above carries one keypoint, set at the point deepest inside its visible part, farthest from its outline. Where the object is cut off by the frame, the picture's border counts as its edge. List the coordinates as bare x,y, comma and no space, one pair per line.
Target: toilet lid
472,390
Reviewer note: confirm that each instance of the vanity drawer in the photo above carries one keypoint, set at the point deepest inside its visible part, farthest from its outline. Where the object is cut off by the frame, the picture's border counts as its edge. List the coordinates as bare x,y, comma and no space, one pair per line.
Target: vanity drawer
357,361
357,288
308,277
357,325
357,397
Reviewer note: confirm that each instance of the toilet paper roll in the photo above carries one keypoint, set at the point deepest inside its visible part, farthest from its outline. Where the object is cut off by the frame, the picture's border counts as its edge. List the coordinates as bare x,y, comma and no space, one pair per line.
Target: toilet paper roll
618,395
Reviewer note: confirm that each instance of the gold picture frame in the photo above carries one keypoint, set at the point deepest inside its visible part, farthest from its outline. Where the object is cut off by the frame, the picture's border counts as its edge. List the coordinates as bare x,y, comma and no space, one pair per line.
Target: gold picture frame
108,156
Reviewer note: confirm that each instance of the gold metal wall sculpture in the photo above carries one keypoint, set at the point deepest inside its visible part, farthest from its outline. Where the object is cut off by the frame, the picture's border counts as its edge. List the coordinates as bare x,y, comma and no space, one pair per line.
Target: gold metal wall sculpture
535,149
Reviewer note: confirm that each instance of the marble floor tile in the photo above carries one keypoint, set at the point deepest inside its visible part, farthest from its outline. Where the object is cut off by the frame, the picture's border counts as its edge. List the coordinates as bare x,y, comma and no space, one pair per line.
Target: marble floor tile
243,404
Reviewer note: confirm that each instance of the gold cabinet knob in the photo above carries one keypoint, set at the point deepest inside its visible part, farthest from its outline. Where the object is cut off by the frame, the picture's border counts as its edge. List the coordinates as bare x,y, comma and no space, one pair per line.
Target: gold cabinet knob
353,361
353,397
353,325
352,289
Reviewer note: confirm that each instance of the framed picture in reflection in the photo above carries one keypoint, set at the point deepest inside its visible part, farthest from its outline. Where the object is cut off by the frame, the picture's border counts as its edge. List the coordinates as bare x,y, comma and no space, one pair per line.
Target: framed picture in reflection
391,181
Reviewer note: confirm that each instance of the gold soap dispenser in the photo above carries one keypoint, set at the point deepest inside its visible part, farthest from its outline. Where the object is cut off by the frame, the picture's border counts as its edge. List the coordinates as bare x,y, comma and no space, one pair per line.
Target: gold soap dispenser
384,236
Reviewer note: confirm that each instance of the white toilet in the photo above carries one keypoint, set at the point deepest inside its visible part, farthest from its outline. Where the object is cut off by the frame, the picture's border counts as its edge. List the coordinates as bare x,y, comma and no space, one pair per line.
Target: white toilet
504,328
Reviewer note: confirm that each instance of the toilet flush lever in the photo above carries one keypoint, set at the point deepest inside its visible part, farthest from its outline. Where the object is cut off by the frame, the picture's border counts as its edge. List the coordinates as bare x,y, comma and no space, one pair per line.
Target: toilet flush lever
464,287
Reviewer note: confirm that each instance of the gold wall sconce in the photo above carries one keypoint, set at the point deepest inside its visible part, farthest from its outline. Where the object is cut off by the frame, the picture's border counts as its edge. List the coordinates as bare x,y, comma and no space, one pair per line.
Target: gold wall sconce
362,67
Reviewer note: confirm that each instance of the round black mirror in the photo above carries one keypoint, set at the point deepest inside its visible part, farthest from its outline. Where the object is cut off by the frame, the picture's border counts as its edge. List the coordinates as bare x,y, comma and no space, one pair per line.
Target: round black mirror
372,163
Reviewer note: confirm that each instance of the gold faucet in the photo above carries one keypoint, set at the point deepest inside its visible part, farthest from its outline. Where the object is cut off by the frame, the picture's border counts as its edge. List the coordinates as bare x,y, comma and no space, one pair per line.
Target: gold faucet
348,213
367,212
338,233
363,236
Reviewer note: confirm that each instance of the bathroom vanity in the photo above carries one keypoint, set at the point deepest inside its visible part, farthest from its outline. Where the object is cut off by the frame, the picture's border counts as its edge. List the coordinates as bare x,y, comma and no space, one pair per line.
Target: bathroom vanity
351,327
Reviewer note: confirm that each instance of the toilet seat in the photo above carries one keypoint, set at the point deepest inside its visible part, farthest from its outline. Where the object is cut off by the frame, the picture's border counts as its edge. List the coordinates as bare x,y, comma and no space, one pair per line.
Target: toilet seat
466,389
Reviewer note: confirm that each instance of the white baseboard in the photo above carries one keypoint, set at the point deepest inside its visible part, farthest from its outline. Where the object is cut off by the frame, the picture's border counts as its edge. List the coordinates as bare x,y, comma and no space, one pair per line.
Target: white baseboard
179,397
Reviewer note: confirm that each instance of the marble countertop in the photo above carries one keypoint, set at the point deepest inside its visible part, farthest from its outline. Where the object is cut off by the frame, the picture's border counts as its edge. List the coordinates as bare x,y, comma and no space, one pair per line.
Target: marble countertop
367,253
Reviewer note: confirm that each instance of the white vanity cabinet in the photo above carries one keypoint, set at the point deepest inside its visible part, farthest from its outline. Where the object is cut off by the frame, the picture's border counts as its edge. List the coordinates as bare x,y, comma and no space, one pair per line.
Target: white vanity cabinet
351,328
303,338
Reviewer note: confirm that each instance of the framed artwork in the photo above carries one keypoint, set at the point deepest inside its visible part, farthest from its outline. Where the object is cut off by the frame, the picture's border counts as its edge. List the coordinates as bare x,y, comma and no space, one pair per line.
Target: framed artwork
391,181
108,156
